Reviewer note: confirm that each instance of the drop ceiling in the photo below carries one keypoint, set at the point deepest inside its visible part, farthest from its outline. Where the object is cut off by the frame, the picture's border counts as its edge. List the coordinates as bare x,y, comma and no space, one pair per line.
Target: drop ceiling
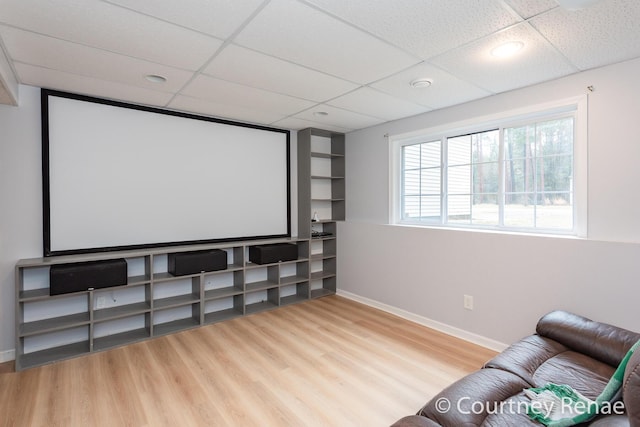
281,62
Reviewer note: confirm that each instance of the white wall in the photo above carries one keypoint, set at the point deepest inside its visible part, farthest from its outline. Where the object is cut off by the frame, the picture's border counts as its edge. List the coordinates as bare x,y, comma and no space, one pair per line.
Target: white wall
514,278
21,195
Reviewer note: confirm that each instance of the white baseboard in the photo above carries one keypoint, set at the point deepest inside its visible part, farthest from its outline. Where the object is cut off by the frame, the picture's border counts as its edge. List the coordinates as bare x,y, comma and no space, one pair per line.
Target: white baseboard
424,321
7,356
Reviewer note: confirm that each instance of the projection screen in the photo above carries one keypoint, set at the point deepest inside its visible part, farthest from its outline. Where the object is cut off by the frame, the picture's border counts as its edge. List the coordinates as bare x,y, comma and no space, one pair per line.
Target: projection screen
120,176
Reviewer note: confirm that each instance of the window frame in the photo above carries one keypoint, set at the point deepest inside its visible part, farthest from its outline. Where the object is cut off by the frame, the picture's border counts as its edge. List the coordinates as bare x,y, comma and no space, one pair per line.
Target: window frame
575,107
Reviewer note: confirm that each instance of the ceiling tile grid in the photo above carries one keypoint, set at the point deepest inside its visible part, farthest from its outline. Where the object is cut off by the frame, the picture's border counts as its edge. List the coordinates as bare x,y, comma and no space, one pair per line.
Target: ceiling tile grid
280,62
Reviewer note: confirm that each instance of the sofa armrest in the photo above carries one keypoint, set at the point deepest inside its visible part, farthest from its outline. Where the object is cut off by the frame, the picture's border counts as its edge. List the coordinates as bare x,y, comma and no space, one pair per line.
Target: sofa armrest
631,389
602,341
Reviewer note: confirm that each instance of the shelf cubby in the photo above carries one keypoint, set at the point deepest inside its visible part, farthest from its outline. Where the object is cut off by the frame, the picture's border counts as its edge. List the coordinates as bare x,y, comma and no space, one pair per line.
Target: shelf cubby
326,285
224,308
120,311
121,330
294,272
178,292
261,300
223,284
290,294
175,319
46,347
54,324
62,352
122,338
261,277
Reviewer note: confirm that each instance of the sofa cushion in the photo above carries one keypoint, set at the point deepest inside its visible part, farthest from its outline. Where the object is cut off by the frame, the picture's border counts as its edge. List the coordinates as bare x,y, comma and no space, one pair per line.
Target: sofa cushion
470,400
584,374
512,413
524,357
610,421
602,341
540,360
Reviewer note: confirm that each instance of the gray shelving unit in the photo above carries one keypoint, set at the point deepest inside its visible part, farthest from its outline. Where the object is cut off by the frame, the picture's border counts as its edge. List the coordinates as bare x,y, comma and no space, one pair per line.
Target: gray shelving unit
321,193
152,303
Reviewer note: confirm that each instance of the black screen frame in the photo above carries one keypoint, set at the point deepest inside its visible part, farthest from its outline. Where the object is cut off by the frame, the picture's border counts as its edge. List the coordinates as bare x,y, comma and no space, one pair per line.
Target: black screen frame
46,196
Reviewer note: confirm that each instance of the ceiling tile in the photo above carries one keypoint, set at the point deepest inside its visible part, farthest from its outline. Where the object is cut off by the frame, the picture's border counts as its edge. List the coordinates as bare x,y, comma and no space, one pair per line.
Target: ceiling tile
297,124
219,18
528,8
377,104
52,79
446,89
338,117
423,27
290,30
47,52
222,110
601,34
229,93
251,68
98,24
536,62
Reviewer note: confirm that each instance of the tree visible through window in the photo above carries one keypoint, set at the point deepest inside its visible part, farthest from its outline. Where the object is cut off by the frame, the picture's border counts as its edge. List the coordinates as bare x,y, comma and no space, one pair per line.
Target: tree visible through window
512,177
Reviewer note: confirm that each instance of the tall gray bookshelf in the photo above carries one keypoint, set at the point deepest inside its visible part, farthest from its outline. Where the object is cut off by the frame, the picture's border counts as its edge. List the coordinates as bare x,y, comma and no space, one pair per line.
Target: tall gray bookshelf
321,202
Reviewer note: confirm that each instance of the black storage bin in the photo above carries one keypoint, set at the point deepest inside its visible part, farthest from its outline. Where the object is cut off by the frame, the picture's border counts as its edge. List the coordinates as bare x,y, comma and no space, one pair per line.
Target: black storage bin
81,276
184,263
277,252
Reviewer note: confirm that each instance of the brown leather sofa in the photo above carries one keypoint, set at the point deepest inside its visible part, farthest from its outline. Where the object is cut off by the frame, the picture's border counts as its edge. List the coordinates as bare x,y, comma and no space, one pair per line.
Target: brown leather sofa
567,349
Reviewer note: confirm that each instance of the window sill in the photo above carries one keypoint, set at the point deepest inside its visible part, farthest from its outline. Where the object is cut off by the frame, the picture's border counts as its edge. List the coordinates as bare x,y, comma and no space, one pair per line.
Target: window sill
558,235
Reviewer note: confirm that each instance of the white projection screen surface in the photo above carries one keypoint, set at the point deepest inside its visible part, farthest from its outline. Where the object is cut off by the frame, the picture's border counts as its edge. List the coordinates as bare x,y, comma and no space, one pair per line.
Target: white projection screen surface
118,176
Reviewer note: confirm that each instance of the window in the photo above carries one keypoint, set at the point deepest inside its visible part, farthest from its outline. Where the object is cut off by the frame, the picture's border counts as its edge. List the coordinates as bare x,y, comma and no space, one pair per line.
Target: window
515,175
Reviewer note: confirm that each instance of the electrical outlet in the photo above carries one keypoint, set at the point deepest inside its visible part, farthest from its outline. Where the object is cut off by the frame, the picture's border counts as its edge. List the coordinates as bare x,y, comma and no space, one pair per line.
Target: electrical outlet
468,302
101,301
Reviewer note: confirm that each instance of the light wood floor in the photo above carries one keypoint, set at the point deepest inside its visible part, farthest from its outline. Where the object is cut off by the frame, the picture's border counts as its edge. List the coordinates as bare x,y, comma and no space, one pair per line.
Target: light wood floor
325,362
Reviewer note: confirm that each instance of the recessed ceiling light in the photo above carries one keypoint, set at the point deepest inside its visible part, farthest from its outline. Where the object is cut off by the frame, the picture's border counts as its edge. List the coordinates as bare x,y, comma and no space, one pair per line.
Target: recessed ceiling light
155,78
507,49
421,83
320,113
